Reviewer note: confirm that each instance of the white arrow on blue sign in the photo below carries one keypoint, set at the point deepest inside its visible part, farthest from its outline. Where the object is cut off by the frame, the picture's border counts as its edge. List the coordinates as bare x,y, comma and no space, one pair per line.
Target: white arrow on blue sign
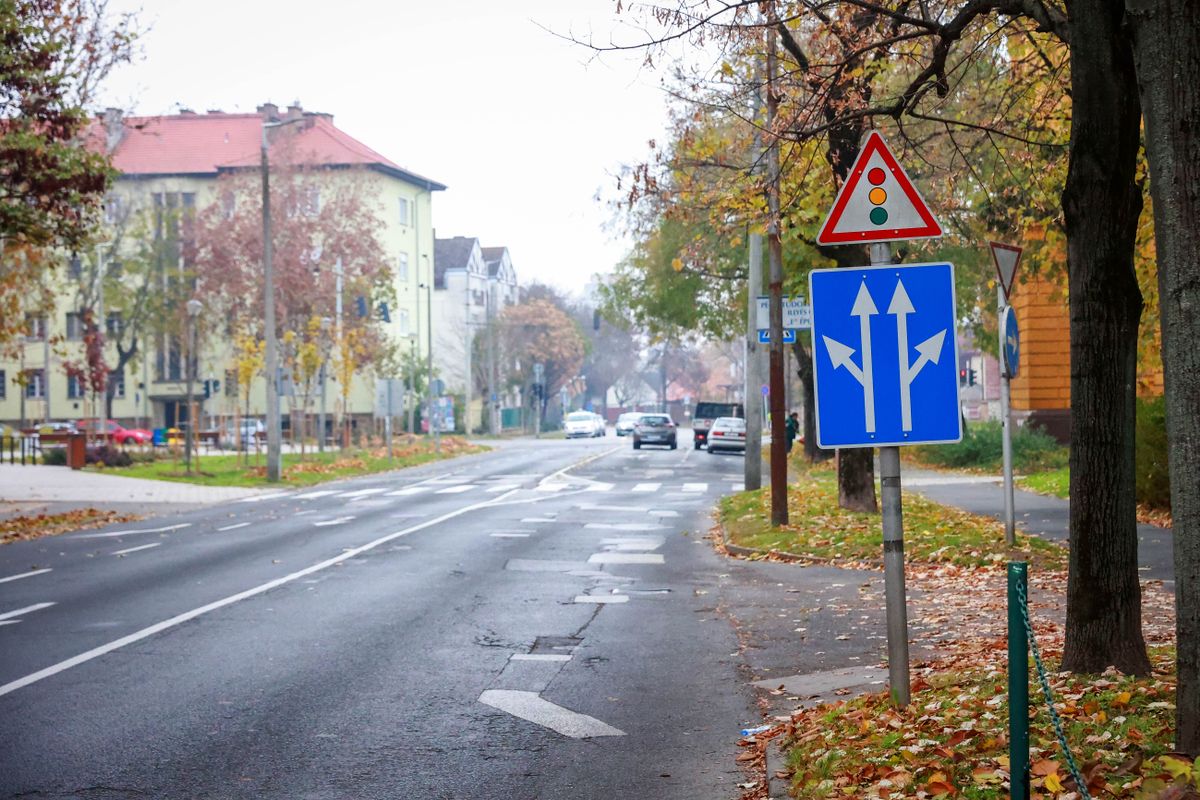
890,378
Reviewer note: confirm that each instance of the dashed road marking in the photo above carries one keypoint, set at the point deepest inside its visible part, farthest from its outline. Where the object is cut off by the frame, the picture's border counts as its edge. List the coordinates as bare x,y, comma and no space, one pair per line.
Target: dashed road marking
695,487
602,598
328,522
626,558
20,612
510,535
316,494
464,487
408,490
502,487
29,574
539,657
134,549
601,487
550,487
113,534
531,707
364,492
737,487
258,498
234,526
647,487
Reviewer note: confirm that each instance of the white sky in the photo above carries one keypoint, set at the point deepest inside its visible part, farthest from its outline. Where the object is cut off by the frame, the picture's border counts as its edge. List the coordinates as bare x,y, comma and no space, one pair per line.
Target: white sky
523,126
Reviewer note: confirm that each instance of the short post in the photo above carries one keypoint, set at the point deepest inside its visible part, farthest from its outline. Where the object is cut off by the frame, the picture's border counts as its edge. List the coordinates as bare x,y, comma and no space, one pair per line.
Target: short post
893,575
1018,683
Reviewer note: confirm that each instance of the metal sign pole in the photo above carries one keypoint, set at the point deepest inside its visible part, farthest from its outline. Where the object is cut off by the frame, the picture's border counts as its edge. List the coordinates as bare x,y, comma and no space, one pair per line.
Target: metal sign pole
1010,533
387,421
893,550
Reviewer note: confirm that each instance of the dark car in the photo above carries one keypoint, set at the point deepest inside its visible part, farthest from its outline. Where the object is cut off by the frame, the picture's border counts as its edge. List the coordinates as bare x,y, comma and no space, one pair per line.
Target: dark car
654,429
706,412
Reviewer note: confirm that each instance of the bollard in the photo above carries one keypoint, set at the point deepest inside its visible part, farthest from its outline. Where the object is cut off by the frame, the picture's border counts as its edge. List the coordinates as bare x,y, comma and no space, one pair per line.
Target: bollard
1018,684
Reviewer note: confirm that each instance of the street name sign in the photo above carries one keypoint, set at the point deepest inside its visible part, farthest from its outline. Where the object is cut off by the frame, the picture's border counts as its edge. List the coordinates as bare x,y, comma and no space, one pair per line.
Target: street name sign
796,313
1012,341
1006,257
878,202
885,355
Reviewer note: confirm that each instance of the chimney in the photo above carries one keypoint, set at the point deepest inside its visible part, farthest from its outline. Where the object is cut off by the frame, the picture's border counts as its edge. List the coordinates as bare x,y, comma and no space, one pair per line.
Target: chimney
295,111
269,112
114,128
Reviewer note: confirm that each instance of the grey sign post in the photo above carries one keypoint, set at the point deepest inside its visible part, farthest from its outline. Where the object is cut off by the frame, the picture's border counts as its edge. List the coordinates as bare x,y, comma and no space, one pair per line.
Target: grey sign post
1007,258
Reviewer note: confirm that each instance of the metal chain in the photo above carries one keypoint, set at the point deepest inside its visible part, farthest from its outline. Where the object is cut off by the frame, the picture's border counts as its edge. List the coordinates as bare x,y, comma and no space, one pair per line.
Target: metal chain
1049,695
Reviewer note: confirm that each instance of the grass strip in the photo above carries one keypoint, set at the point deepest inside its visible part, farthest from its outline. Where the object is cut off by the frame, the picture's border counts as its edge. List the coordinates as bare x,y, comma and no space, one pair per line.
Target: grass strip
952,741
250,470
1055,482
821,530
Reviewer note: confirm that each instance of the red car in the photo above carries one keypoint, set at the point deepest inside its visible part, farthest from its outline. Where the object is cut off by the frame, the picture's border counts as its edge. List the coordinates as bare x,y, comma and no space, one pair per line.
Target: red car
111,429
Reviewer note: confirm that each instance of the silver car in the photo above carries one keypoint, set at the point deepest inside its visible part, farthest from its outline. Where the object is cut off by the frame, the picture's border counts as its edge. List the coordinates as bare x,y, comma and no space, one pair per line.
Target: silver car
727,433
626,422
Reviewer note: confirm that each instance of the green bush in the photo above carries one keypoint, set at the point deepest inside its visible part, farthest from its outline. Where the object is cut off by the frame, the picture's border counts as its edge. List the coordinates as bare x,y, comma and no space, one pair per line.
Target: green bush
1150,454
54,456
982,448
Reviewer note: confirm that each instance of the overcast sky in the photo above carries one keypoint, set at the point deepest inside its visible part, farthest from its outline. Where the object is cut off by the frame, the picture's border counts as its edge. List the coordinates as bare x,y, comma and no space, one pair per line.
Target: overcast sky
524,127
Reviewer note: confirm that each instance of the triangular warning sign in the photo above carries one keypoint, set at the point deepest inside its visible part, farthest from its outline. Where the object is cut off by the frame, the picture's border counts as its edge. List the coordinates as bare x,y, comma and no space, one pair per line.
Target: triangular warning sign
1006,258
877,203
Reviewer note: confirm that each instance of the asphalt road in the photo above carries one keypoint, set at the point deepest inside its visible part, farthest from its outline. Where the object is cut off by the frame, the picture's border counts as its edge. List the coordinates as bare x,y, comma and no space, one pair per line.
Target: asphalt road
512,625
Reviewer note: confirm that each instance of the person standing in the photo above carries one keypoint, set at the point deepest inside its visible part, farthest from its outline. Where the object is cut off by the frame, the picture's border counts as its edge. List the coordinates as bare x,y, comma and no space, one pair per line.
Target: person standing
793,429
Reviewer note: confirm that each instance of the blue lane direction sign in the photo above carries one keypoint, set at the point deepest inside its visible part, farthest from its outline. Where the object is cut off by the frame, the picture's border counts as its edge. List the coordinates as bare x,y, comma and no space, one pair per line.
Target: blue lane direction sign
789,336
885,355
1012,341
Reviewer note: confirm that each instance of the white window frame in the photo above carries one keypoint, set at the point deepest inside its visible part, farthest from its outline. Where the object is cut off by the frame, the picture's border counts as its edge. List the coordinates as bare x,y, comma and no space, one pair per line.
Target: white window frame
35,385
75,388
402,267
404,211
403,320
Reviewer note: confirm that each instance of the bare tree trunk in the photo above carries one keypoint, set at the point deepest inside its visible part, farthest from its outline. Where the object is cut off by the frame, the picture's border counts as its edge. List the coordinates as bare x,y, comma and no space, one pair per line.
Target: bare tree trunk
1166,41
1101,203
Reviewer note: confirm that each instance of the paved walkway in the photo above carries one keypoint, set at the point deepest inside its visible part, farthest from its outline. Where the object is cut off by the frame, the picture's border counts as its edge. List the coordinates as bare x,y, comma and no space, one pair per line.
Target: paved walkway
1048,517
42,489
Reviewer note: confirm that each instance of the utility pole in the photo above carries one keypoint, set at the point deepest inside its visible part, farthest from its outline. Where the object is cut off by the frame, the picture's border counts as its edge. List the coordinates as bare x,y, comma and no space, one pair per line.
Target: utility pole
469,340
493,403
274,449
779,511
753,399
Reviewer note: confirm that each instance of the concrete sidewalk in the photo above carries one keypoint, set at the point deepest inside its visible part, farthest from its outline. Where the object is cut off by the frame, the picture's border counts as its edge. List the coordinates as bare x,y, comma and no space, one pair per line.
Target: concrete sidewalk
1048,517
42,489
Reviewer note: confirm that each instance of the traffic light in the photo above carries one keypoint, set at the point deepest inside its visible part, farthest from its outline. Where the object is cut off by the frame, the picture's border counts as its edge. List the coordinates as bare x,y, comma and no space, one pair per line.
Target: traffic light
970,376
383,313
596,320
360,303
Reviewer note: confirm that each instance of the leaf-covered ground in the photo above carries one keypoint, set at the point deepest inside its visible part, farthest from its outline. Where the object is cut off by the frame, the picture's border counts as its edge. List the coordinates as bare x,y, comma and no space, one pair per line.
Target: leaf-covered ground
35,526
250,470
822,531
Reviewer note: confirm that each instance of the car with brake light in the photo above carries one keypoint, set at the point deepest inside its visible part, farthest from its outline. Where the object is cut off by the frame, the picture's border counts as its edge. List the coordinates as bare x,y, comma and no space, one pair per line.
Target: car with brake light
727,434
706,413
654,429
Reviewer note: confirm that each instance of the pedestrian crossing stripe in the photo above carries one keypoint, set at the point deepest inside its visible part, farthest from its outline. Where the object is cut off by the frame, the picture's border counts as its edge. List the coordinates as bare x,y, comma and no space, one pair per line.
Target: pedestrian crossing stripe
647,487
695,487
407,491
464,487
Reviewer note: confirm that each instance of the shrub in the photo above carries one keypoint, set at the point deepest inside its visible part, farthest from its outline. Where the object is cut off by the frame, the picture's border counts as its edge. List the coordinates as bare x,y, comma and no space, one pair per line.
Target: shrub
54,456
108,456
982,447
1150,454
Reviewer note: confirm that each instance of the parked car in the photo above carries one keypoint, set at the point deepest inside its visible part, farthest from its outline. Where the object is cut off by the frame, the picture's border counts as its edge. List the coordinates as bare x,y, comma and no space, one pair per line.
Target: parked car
654,429
579,424
706,412
252,430
114,431
626,421
56,427
727,433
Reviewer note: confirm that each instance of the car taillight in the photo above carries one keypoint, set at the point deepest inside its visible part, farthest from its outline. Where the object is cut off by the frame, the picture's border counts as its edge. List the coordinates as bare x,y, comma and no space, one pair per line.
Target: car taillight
718,433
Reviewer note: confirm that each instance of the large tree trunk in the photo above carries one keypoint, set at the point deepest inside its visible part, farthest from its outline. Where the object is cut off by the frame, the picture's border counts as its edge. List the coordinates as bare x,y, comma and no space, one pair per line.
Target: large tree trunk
1166,42
1101,203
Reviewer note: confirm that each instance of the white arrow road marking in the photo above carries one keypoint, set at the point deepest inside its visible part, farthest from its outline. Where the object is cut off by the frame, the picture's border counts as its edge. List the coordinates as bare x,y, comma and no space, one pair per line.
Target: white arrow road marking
20,612
930,350
134,549
29,574
647,487
531,707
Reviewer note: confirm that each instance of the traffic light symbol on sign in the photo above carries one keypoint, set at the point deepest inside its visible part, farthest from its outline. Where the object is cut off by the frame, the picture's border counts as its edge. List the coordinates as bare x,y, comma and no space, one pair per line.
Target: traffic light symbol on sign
877,195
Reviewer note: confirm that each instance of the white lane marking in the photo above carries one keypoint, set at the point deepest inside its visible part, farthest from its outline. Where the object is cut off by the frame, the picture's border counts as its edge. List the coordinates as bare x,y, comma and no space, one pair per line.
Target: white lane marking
179,619
10,622
539,657
503,487
464,487
597,598
409,490
338,521
626,558
29,574
364,492
695,487
20,612
112,534
537,519
601,487
510,535
234,526
624,526
260,497
550,487
629,544
737,487
531,707
134,549
663,512
316,494
647,487
444,481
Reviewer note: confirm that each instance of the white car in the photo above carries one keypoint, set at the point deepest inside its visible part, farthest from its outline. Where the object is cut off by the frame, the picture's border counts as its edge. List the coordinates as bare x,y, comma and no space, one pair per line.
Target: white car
626,422
581,424
727,433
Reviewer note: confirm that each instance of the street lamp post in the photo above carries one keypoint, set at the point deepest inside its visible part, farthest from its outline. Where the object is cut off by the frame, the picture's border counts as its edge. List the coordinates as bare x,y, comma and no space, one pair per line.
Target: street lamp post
434,428
193,309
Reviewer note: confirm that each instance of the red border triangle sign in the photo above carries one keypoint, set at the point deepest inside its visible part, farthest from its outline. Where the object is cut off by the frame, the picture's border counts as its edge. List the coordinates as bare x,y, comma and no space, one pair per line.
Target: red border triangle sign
877,203
1006,257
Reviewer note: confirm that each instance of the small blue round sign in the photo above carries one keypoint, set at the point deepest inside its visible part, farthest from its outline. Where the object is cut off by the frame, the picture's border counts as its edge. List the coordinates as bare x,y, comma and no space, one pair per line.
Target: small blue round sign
1012,341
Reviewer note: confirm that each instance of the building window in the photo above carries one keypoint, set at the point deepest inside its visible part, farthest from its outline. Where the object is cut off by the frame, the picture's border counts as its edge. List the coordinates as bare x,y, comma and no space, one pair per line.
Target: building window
116,379
228,204
75,267
35,327
403,210
402,267
3,384
74,388
35,383
113,325
231,385
403,322
74,325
